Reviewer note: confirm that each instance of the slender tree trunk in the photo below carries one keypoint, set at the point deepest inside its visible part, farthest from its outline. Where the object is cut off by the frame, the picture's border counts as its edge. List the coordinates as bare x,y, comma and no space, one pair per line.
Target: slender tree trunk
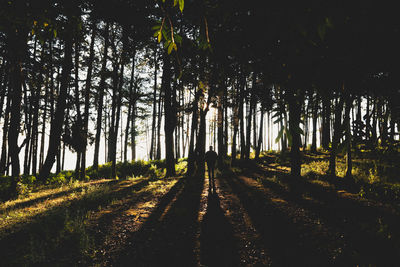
220,126
87,98
56,127
326,113
336,136
349,164
131,105
6,123
100,104
241,122
235,122
294,126
192,154
159,119
170,116
76,131
153,123
314,124
260,135
16,48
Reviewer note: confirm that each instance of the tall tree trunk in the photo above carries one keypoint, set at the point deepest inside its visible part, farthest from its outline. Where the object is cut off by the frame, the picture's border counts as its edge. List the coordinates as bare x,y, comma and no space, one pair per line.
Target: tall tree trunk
76,131
87,98
131,105
347,126
326,114
248,129
159,120
235,122
220,126
56,127
295,101
260,134
100,103
192,153
170,116
16,43
241,122
6,123
153,123
337,134
314,124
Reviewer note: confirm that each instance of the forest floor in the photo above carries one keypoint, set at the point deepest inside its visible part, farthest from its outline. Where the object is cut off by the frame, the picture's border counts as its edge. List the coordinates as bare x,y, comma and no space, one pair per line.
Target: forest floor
257,216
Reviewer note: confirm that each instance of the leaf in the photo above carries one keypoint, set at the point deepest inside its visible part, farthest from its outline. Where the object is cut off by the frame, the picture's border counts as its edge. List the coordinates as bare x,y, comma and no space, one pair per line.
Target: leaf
170,47
166,44
181,5
175,47
175,2
156,27
159,36
55,33
178,38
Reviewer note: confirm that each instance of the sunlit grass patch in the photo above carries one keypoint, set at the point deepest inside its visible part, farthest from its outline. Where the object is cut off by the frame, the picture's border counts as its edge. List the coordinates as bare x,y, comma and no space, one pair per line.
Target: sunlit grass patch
12,216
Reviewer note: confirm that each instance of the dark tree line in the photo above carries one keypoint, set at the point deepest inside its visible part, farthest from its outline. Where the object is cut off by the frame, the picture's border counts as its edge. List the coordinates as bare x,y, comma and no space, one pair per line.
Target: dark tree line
69,68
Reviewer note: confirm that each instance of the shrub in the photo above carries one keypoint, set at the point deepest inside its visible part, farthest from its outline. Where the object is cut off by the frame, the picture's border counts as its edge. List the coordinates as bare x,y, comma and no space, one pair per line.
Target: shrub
6,190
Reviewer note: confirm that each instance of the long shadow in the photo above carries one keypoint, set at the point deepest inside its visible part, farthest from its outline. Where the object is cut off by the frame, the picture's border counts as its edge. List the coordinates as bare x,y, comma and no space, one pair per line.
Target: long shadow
168,237
45,241
371,231
218,245
286,243
365,227
30,202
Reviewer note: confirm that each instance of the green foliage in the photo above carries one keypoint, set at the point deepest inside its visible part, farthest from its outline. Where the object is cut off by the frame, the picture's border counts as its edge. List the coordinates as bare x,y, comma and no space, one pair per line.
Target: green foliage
6,191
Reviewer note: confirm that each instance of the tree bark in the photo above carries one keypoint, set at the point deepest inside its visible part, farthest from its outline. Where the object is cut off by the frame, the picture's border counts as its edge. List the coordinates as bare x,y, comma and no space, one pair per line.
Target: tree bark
56,127
294,128
100,103
336,136
87,98
170,116
16,47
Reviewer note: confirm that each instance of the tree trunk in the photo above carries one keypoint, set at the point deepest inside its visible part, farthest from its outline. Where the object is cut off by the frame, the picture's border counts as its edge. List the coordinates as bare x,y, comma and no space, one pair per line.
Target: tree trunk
87,98
56,127
16,48
100,103
241,122
326,114
6,123
131,107
294,129
336,136
260,134
349,163
170,116
314,124
153,123
220,126
192,154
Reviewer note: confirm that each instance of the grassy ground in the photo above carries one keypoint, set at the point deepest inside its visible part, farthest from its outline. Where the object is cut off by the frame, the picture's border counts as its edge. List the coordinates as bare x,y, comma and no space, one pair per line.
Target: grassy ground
259,215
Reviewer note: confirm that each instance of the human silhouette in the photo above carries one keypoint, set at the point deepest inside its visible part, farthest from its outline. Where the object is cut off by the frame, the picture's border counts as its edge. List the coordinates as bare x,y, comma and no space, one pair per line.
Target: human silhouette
210,158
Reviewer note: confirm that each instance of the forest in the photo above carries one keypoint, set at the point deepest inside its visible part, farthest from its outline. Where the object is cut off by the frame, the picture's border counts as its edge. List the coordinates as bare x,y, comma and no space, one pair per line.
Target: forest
107,110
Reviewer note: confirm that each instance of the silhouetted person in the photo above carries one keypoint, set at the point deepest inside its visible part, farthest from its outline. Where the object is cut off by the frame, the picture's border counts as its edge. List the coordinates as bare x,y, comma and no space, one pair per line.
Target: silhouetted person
211,157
